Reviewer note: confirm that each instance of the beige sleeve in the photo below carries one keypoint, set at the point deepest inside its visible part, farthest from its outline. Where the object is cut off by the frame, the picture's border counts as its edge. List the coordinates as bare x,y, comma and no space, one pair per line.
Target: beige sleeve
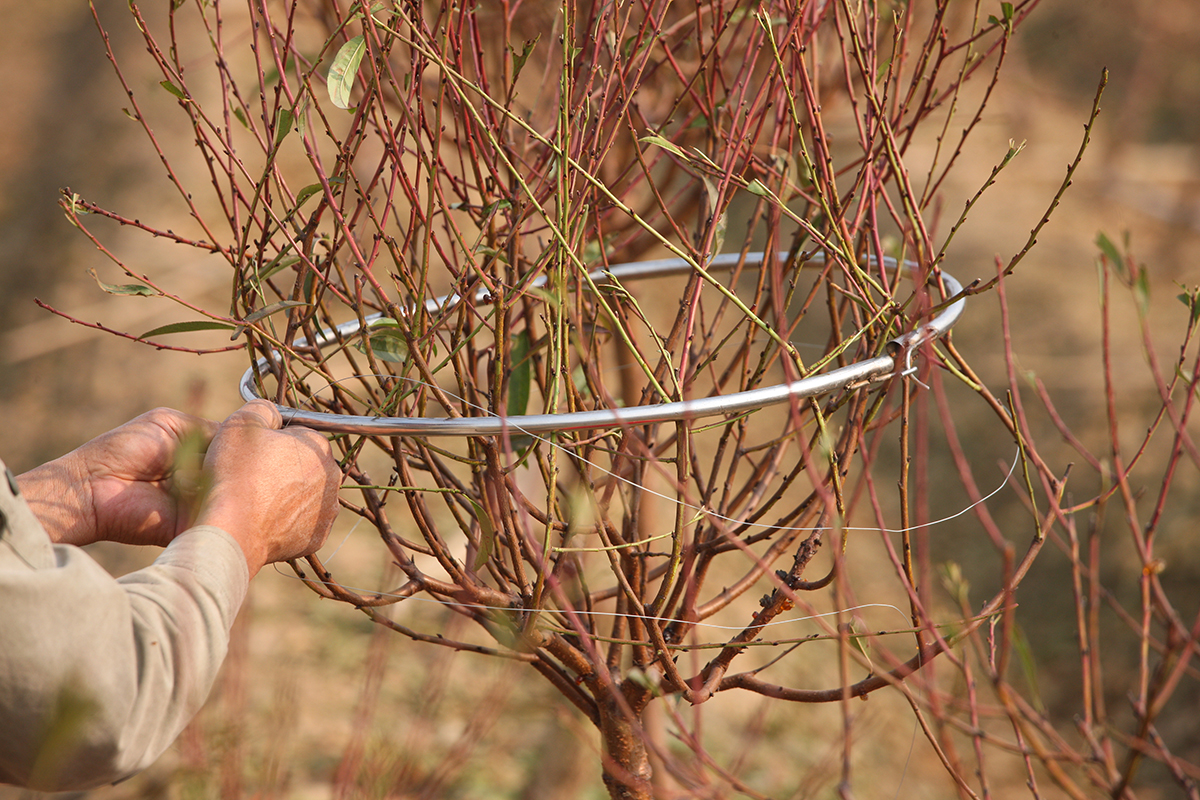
99,675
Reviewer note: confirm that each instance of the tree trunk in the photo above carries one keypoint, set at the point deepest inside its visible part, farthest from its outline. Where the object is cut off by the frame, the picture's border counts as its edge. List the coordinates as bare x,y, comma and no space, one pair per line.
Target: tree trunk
626,760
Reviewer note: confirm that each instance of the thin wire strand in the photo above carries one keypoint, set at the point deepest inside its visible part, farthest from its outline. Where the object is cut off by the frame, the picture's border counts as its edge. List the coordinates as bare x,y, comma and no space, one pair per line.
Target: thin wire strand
700,509
713,626
583,612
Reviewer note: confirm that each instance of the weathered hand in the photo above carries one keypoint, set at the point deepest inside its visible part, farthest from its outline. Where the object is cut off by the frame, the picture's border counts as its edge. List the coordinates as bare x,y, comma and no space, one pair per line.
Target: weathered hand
274,491
135,484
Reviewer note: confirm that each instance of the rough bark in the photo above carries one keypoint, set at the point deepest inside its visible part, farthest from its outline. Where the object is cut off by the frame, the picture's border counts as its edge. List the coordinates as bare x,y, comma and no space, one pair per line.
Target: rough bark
627,769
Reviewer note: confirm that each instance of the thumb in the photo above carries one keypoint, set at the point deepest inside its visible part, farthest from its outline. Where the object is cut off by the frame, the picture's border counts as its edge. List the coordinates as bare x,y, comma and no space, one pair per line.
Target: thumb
256,413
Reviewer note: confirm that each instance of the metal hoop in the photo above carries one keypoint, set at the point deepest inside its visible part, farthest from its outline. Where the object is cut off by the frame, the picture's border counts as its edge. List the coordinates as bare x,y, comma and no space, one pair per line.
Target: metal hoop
737,402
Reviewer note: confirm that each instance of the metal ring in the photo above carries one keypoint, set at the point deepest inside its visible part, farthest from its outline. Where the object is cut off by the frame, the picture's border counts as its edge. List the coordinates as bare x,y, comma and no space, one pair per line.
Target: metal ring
735,403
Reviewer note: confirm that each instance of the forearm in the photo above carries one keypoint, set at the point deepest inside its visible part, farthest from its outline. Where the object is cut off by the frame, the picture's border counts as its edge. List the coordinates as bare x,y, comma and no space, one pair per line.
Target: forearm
98,676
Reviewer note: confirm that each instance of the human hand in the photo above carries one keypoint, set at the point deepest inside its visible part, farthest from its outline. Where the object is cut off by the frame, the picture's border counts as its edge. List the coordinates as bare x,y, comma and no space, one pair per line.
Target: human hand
127,485
274,491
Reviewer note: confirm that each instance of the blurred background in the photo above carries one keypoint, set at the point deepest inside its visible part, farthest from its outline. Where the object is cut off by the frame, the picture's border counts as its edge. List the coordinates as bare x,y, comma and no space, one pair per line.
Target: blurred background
302,675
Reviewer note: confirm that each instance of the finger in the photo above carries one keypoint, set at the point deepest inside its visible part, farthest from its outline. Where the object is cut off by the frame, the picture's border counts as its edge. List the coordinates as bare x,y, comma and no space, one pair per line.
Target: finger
260,413
177,424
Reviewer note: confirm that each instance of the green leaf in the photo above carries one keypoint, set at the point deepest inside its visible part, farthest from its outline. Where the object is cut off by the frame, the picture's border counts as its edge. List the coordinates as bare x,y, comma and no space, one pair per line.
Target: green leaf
340,80
956,583
759,188
173,89
1113,255
138,289
519,59
492,208
314,188
720,220
882,70
187,327
388,342
280,262
1006,17
241,117
521,377
74,204
660,141
1141,292
262,313
283,125
492,253
1028,666
858,638
591,252
648,681
487,535
546,296
307,192
1014,150
1191,299
274,308
1108,248
310,280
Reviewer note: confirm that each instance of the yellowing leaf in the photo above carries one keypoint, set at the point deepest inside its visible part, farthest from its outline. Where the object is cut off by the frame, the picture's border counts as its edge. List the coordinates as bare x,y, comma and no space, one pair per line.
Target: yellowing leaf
340,80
